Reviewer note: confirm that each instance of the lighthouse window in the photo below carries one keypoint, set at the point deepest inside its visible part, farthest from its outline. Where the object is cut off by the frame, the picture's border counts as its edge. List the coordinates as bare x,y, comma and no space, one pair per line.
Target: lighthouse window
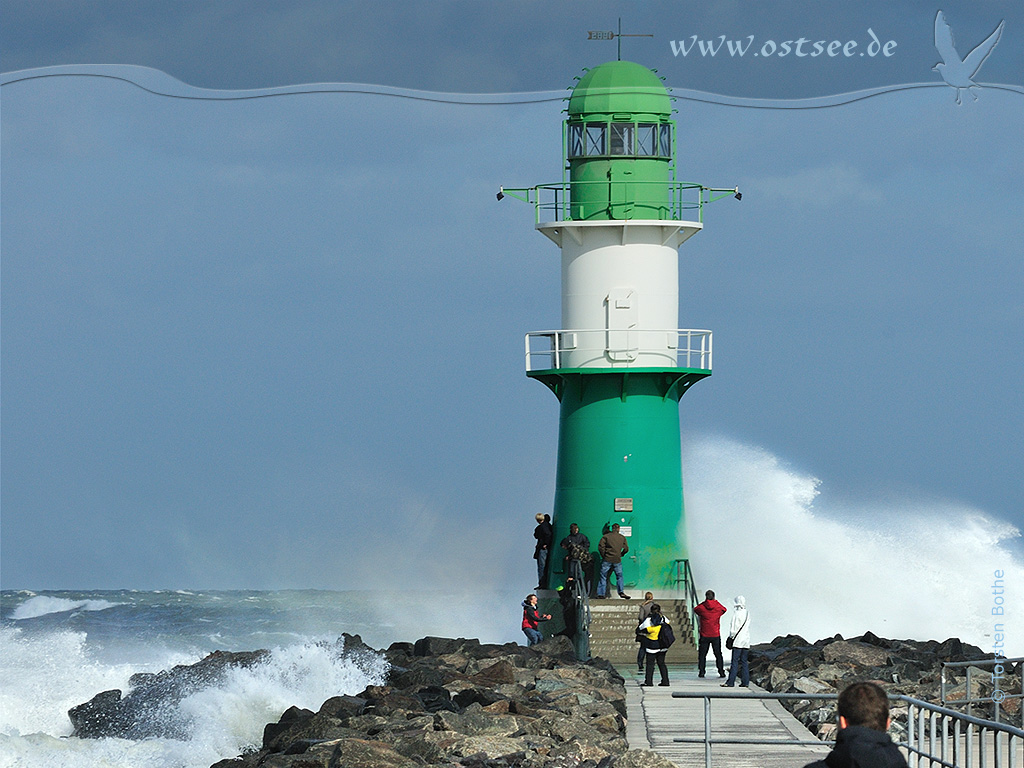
595,139
646,139
621,139
576,140
665,140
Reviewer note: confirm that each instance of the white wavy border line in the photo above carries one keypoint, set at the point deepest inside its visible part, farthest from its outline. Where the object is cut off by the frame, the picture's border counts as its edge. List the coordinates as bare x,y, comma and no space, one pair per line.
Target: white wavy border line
160,83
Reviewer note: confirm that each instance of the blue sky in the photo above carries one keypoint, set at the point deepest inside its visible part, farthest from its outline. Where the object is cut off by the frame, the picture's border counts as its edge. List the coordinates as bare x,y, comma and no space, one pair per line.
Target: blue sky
278,342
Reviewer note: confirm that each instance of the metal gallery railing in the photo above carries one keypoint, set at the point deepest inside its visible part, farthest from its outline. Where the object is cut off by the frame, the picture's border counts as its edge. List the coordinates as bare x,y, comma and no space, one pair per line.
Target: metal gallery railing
618,199
680,347
936,736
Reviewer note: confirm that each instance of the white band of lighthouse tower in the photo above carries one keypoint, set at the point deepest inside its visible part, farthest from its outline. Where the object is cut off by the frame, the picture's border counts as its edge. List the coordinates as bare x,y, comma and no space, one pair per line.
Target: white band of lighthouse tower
620,291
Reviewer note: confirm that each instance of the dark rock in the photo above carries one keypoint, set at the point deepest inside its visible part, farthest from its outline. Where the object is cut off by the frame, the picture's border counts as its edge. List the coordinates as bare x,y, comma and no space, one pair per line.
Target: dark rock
150,708
439,646
496,674
908,667
856,653
365,753
459,703
436,699
292,717
342,707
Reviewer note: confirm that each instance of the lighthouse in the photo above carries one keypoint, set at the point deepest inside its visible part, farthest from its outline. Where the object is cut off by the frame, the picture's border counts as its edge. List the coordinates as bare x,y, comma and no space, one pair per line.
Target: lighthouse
619,364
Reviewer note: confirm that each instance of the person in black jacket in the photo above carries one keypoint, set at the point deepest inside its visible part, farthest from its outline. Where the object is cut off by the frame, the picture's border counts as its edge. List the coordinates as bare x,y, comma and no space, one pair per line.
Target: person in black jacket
543,534
650,630
862,741
577,549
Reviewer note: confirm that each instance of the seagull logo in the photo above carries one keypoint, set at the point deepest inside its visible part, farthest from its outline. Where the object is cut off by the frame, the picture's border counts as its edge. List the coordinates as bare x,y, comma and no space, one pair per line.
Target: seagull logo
959,73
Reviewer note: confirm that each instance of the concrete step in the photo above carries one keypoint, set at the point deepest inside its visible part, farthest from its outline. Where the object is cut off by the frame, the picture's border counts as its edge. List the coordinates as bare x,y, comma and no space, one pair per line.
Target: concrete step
613,631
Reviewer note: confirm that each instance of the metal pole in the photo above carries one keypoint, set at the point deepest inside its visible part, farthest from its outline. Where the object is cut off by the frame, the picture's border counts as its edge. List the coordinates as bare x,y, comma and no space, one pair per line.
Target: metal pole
707,732
931,735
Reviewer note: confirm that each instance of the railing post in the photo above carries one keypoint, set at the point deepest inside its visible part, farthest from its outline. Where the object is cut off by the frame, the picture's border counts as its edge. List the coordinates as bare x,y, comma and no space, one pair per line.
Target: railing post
944,745
921,733
931,738
707,732
970,698
942,684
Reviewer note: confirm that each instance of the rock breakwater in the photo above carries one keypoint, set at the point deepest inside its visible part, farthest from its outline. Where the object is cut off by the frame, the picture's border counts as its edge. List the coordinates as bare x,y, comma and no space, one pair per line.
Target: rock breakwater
463,704
913,668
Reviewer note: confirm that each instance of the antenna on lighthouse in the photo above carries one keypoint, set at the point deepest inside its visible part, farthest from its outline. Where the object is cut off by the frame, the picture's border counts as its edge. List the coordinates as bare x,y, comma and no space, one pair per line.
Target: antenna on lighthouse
617,36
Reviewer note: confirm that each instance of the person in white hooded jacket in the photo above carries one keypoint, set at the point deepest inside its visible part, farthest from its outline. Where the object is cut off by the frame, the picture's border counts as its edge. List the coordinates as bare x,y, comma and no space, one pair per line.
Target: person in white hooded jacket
739,633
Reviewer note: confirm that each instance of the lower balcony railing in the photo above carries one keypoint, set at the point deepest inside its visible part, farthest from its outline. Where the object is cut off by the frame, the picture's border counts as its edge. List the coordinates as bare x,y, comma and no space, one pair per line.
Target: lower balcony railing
604,348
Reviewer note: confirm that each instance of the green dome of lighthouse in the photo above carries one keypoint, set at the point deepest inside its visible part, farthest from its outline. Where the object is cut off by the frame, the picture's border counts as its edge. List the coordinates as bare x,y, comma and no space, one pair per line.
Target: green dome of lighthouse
619,88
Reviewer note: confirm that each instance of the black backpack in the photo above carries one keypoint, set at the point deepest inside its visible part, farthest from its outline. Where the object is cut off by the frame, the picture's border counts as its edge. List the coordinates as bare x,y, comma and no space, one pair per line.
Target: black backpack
666,637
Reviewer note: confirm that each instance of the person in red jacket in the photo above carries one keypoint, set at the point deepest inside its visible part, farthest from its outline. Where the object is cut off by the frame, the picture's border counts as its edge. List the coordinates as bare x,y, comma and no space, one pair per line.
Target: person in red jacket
531,619
709,613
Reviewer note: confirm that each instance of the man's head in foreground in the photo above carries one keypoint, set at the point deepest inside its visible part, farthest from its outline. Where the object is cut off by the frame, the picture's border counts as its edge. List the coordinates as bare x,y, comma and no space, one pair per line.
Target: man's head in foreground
864,704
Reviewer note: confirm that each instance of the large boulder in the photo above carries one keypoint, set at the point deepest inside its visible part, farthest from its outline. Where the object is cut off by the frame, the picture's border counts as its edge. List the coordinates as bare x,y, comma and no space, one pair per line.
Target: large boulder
149,710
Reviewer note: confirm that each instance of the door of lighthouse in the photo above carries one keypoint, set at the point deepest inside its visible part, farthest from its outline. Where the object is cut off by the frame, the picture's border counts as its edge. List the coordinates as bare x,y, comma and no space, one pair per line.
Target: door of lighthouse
621,344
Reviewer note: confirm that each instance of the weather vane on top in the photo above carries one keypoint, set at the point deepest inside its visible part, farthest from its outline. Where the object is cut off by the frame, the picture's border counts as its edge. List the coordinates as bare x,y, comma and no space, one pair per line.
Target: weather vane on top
617,36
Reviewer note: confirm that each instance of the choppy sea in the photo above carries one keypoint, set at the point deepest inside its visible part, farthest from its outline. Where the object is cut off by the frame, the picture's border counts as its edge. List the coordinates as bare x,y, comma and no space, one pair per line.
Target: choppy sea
59,649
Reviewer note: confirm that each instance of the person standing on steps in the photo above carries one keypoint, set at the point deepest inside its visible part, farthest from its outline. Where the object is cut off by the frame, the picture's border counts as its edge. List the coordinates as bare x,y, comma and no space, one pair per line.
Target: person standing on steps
577,549
645,611
709,614
611,547
739,641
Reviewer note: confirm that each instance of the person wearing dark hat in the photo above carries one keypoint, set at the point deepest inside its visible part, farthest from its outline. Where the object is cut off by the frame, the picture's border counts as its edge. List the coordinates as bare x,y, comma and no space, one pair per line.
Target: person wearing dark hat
862,741
543,534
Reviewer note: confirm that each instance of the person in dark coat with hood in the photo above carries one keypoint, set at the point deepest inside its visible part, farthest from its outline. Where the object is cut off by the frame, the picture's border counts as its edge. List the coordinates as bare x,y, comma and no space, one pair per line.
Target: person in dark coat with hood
543,534
862,741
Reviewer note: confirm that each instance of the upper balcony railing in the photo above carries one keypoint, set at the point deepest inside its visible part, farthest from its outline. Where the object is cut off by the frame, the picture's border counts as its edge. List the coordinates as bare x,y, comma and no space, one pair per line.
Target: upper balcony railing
603,348
618,200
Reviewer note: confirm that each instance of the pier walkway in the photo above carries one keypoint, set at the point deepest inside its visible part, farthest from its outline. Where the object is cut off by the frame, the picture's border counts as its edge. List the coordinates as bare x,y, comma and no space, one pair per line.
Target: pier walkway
656,719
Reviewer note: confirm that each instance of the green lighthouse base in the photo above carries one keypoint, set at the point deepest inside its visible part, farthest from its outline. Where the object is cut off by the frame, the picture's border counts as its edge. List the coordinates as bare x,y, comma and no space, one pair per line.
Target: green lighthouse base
619,462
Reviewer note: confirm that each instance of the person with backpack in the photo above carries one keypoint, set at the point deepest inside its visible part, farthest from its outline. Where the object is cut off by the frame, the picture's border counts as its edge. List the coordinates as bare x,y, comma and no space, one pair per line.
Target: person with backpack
656,634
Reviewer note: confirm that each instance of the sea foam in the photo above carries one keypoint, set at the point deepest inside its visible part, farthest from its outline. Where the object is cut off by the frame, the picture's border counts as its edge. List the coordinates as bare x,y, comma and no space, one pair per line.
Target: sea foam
814,567
47,674
43,605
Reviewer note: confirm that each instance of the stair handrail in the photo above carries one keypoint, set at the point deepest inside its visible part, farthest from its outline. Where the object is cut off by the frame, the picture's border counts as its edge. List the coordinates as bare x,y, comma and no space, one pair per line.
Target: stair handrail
580,593
684,576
